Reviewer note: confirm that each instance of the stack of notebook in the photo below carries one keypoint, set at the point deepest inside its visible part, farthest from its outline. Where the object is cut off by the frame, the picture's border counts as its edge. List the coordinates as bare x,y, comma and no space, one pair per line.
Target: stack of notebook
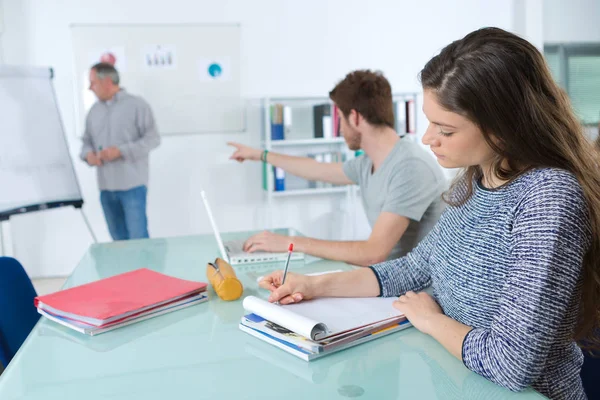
315,328
120,300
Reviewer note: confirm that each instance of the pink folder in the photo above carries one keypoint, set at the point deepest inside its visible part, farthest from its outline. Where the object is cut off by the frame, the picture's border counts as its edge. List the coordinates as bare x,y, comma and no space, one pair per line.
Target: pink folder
110,299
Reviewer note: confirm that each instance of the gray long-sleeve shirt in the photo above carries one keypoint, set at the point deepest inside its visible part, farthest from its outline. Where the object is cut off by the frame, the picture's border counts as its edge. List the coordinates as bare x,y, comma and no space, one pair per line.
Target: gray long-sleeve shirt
125,121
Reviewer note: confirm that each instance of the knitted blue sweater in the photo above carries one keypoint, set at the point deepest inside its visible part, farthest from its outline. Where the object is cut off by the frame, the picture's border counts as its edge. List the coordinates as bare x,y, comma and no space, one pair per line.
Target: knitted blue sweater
508,263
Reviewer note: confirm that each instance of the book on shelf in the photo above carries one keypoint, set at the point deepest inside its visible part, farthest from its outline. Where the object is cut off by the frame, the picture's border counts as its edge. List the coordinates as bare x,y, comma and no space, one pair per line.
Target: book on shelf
405,114
120,300
279,179
277,121
316,328
265,174
410,117
287,120
331,157
323,121
319,157
336,121
400,117
288,182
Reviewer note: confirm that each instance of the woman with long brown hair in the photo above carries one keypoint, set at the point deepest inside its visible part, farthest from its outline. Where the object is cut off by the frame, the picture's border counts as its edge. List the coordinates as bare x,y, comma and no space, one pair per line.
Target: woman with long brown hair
513,261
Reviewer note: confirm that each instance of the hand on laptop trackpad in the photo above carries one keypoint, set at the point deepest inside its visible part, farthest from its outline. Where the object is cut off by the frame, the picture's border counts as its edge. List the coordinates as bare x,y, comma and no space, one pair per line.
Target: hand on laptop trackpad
258,253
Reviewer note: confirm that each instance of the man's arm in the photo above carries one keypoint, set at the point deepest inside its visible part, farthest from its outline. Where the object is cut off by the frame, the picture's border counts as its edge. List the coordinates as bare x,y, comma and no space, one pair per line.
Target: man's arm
87,144
387,231
149,137
303,167
388,279
88,153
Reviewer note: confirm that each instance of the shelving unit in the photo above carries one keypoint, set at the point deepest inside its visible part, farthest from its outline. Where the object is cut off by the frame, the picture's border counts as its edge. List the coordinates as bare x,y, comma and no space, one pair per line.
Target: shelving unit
299,140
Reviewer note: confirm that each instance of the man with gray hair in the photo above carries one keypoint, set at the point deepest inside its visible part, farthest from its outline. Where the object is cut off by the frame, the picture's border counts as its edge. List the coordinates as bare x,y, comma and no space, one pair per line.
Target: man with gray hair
119,134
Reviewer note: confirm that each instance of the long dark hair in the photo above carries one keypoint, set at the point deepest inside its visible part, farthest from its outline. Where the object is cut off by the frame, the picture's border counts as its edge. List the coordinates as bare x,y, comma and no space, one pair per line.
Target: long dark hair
501,83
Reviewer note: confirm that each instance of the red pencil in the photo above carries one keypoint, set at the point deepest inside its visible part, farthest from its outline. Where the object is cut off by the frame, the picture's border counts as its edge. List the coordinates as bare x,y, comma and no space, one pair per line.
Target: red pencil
290,249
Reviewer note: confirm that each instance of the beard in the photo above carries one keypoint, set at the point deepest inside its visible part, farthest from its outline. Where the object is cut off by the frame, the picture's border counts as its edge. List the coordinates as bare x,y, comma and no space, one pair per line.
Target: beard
353,140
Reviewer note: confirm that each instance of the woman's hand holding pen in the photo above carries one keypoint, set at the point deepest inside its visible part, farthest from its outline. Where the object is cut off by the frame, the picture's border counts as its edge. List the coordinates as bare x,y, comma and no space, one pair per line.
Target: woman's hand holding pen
297,287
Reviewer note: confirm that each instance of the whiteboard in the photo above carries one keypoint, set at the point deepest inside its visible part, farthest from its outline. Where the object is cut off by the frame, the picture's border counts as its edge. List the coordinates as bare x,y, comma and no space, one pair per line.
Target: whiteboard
36,170
189,74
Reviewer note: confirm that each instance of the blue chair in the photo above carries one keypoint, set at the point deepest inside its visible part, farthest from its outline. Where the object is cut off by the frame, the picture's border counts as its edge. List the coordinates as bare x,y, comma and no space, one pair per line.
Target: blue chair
590,374
17,312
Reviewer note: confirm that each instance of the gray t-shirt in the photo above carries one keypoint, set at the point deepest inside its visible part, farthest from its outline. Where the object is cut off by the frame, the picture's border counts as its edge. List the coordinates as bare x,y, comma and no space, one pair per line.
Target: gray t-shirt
409,183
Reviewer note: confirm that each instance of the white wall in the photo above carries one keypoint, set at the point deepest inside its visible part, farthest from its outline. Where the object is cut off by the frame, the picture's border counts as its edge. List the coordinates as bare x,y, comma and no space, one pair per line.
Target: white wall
528,21
289,48
1,28
571,21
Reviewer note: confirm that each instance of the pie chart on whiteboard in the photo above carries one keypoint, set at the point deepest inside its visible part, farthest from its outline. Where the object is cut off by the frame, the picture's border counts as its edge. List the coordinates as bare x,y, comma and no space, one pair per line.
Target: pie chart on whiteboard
215,70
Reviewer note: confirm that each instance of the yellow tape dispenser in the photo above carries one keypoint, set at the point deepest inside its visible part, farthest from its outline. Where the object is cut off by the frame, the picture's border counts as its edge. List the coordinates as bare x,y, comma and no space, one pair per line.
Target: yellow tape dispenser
223,279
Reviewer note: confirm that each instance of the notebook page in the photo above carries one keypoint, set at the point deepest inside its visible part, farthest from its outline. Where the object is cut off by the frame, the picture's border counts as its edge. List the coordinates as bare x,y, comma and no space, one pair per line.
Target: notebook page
300,324
342,314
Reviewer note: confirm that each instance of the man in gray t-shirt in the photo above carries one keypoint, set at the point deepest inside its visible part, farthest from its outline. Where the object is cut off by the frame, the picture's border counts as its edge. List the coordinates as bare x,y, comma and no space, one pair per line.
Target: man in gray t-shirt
408,183
401,185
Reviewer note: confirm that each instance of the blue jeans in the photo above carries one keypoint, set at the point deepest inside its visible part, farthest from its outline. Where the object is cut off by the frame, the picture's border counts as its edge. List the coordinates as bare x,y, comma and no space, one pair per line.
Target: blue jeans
125,212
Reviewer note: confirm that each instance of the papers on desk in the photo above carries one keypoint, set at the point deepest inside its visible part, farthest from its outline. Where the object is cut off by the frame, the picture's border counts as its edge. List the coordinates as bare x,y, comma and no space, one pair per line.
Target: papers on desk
120,300
314,328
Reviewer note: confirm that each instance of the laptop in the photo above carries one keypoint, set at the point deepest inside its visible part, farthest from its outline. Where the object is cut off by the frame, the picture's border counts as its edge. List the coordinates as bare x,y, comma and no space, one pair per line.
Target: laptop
232,250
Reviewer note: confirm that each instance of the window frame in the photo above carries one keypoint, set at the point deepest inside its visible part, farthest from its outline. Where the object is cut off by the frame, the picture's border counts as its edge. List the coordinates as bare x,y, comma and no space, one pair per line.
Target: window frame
566,50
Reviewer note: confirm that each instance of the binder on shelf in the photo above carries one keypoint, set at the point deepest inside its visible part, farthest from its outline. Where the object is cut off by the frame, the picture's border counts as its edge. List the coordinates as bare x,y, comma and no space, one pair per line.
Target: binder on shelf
293,182
328,158
312,184
287,120
337,156
277,130
336,121
400,117
327,127
279,175
323,125
410,116
264,176
319,158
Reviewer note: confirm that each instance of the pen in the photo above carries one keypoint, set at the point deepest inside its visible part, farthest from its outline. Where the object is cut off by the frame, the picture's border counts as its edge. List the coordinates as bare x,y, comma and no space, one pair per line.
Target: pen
215,265
287,263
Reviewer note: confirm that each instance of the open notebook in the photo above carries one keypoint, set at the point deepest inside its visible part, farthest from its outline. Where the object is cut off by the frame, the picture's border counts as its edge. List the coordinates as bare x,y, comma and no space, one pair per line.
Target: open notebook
312,329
